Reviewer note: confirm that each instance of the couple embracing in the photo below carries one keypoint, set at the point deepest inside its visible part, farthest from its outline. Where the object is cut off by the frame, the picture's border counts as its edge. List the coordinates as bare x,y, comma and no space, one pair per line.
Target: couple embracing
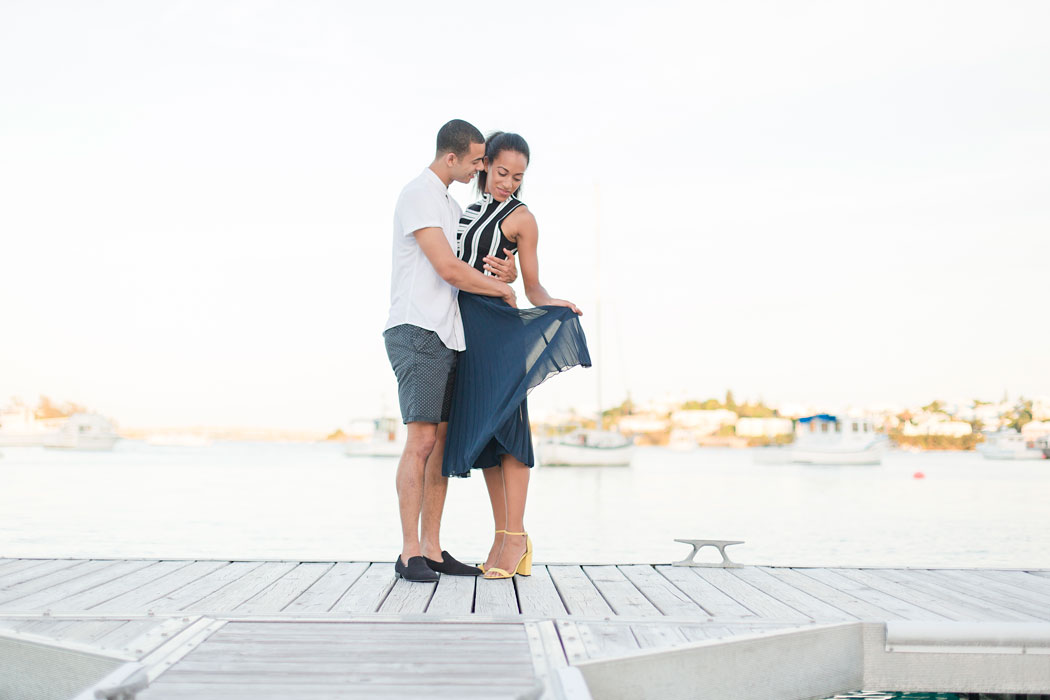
464,355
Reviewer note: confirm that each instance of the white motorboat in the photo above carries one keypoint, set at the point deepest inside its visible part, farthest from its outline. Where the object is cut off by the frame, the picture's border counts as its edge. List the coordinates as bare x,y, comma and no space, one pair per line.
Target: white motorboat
84,431
592,448
387,439
1009,444
834,440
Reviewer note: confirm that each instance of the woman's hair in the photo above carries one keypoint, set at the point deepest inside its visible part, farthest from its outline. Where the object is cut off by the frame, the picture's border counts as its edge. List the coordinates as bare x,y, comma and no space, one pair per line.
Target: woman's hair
497,142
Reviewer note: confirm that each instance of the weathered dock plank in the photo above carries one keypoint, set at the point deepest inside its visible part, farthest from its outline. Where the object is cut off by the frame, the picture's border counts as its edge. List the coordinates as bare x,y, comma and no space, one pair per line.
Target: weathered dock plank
712,600
454,595
48,627
369,591
860,609
607,639
282,689
495,597
41,598
665,596
285,589
19,570
578,592
762,604
138,599
125,633
1031,605
329,588
899,583
1028,581
407,597
279,660
9,565
127,583
34,580
189,594
904,609
537,594
795,598
657,635
235,593
622,596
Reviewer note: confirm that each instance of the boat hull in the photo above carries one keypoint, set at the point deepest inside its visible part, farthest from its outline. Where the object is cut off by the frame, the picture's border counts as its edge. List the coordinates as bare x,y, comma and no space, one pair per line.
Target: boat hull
95,443
991,452
869,455
375,449
557,454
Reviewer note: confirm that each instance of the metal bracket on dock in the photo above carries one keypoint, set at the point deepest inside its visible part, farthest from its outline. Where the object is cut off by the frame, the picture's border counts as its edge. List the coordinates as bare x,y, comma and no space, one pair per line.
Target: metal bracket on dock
697,544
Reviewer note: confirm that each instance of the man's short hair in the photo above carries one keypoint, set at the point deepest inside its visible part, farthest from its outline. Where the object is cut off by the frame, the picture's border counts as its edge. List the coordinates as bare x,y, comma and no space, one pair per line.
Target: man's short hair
456,138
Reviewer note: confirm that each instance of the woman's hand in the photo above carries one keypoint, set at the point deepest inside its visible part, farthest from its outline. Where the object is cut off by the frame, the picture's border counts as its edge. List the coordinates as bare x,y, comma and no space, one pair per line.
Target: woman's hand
566,304
503,270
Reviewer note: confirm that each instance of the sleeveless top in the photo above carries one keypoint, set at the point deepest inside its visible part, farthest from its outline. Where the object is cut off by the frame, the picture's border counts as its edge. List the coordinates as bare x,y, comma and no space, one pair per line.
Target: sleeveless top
480,231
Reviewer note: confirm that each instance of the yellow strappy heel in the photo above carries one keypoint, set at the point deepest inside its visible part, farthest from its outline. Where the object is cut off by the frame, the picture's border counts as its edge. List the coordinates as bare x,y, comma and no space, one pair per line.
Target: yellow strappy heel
482,565
524,566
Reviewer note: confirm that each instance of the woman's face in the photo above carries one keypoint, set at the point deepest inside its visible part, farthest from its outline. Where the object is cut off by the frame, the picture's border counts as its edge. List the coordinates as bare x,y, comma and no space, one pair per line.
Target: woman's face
505,174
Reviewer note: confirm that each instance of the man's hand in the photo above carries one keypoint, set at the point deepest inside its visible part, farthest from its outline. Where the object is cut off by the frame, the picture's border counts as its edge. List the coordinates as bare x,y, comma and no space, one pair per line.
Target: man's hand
503,270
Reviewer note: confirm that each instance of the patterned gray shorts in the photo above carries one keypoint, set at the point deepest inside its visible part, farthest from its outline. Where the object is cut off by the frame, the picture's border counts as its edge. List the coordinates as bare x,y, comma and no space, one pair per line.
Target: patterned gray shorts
425,371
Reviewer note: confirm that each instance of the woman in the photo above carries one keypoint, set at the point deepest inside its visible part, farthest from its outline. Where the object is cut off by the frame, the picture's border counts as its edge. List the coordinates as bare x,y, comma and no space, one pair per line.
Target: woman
509,351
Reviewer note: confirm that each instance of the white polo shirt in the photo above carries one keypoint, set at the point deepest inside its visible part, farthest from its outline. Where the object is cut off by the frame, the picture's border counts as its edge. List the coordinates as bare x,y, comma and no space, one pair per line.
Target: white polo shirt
418,295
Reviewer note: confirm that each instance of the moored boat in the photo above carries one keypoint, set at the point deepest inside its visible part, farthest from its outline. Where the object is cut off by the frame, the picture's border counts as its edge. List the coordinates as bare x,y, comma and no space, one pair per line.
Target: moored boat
586,448
1010,444
84,431
835,440
386,439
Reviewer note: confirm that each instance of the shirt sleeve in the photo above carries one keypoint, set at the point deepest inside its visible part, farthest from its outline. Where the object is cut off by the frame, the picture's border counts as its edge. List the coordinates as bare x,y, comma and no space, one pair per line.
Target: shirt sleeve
418,211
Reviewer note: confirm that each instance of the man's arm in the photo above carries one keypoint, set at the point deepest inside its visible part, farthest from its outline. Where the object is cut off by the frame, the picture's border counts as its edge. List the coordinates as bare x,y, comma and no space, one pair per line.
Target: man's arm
456,272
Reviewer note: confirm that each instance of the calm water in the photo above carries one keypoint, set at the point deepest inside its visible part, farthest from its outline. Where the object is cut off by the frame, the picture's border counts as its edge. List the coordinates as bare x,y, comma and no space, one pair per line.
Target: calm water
295,501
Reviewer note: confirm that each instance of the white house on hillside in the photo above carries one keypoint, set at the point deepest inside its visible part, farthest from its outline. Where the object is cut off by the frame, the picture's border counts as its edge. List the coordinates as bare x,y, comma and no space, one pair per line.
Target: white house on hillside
703,422
763,427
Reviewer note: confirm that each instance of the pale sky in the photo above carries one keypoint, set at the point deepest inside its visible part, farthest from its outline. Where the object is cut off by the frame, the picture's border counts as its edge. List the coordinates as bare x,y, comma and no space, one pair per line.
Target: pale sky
817,202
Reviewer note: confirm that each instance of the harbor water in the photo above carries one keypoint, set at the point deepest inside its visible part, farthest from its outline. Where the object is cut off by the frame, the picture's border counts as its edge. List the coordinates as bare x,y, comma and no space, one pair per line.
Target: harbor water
311,502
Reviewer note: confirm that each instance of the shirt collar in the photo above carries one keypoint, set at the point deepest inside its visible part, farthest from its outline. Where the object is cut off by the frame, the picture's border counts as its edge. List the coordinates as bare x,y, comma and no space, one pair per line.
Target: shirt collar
432,177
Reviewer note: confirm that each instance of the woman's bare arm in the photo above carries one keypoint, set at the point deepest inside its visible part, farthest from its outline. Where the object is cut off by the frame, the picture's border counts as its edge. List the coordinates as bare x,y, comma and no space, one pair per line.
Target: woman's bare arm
521,224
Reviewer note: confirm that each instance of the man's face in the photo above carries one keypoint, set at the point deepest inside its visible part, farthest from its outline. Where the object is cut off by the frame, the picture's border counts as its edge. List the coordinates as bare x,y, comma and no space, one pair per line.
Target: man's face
464,169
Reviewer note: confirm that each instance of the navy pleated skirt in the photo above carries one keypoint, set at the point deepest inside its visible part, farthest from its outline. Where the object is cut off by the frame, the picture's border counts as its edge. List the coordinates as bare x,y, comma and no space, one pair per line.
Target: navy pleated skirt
509,351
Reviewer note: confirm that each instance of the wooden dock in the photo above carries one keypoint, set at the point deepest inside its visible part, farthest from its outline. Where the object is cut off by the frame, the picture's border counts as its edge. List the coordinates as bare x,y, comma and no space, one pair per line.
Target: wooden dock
260,629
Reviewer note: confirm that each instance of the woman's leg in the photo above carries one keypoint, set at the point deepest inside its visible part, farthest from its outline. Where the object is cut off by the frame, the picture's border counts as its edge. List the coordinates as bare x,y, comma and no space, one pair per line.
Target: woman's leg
516,486
498,498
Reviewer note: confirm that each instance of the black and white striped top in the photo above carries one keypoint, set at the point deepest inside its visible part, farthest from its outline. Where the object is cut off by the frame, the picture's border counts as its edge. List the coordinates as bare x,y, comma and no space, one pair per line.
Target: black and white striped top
480,231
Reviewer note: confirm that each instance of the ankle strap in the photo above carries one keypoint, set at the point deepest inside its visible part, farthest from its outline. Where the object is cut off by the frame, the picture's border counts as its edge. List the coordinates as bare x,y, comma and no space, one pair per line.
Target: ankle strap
499,531
508,532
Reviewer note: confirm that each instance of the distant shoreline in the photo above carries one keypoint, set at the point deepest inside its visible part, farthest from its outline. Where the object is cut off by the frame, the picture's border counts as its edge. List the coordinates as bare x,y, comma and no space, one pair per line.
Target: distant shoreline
228,433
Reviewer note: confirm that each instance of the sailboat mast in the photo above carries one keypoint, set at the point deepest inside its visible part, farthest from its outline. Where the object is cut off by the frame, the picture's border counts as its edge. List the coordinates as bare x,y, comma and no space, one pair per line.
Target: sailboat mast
597,299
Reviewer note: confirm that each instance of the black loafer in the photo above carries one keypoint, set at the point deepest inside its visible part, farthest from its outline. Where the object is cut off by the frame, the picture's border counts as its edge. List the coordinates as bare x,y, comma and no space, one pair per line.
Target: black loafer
416,570
449,565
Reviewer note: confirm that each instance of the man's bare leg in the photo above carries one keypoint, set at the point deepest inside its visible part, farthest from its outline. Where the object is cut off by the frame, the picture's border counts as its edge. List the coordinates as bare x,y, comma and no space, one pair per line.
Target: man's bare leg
435,486
418,447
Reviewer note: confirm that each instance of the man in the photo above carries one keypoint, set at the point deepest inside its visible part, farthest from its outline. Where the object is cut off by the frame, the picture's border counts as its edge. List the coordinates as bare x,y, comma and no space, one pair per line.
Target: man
423,334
